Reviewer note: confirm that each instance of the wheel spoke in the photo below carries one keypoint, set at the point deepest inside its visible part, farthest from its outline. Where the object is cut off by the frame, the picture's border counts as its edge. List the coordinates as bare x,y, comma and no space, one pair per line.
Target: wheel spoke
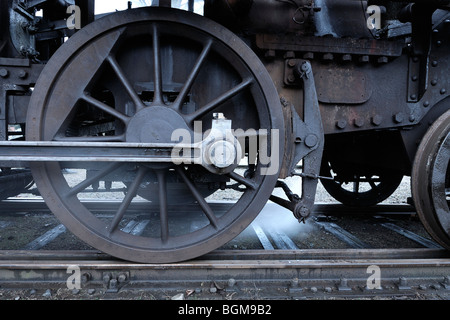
158,97
125,82
356,186
201,201
163,209
242,180
104,107
218,101
86,183
132,190
193,75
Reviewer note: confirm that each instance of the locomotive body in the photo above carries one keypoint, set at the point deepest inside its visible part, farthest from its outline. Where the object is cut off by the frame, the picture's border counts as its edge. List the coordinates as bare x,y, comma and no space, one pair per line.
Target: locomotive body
171,108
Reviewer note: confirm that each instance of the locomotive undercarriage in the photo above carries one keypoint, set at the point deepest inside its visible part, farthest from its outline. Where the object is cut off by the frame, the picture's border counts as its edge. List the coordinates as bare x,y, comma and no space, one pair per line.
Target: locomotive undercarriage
169,107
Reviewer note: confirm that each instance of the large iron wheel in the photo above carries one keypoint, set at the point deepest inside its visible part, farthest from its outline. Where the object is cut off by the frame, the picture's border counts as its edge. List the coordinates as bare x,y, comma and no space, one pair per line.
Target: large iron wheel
136,76
430,180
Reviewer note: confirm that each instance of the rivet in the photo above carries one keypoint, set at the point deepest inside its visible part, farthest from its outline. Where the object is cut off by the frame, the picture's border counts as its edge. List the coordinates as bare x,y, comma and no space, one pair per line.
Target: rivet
346,57
308,56
443,91
23,74
434,63
328,57
289,55
364,59
414,78
383,60
311,141
413,96
4,73
122,278
426,104
85,277
231,282
434,82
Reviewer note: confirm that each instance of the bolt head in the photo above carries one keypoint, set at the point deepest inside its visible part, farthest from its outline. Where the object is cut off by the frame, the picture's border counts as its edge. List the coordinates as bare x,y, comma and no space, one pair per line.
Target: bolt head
341,124
359,122
376,120
398,118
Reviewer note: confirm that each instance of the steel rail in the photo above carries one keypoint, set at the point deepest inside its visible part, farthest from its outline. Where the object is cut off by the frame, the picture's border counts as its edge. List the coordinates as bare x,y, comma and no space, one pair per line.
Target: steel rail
35,204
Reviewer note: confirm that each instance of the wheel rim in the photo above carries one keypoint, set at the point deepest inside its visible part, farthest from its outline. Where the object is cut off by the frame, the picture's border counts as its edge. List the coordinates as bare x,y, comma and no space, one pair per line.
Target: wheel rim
97,67
430,182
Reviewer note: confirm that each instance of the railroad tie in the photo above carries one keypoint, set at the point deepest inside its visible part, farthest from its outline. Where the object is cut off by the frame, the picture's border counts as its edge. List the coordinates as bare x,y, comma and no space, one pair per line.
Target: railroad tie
265,242
413,236
46,238
343,235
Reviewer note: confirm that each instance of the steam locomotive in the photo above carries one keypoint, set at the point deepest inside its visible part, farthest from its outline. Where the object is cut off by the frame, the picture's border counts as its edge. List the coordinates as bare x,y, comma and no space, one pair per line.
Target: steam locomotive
167,109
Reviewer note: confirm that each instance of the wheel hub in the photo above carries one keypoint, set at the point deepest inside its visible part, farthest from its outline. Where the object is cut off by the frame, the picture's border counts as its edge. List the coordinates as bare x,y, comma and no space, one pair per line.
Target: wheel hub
222,154
154,125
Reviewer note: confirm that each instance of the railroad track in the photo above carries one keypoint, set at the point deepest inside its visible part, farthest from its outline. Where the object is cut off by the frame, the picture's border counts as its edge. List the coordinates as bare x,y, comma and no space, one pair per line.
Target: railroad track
341,253
254,274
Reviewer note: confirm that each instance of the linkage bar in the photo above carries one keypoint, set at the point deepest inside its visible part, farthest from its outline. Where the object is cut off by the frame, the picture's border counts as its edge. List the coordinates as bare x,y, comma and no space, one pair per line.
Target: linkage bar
36,151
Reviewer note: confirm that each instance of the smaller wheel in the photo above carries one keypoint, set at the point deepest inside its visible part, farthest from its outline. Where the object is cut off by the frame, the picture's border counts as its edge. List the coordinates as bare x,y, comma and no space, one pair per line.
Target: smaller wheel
430,180
359,190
